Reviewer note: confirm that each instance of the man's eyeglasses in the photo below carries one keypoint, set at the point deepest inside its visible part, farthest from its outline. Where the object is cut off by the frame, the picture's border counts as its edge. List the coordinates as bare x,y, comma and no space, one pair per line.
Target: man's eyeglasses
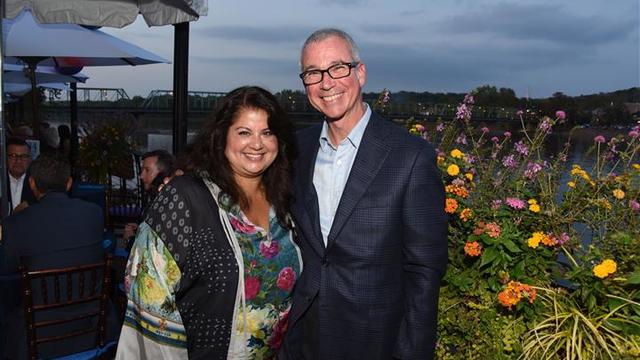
16,157
337,71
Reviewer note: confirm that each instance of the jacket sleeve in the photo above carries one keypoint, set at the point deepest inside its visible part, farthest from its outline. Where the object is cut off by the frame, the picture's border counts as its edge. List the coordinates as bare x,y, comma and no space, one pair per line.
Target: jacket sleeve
425,258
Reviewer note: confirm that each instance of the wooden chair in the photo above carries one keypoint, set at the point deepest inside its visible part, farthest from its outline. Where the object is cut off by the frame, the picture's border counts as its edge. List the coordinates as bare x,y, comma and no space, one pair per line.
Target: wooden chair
78,297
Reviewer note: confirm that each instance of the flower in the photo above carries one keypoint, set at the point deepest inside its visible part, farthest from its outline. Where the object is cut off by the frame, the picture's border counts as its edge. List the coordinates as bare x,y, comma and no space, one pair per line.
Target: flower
440,127
522,148
453,170
455,153
458,190
514,292
484,129
251,287
605,268
269,248
560,115
472,249
466,214
599,139
634,205
450,205
509,161
241,227
532,201
493,230
507,134
515,203
286,278
634,133
618,194
469,176
535,239
571,184
534,208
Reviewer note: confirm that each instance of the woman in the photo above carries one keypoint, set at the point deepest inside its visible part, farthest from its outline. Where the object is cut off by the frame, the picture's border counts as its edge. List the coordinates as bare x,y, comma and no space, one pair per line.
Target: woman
212,269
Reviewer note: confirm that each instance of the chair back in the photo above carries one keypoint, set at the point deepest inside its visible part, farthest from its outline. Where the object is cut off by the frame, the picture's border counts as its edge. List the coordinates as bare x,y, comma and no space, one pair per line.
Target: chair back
65,303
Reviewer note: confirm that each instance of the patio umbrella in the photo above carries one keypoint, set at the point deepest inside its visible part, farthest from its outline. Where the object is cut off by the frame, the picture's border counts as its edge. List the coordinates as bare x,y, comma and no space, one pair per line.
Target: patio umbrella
14,72
66,45
119,13
19,89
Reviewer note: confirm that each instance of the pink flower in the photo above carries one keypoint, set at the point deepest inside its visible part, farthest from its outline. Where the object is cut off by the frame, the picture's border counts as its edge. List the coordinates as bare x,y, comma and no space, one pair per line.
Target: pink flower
634,205
562,239
495,139
251,287
286,279
495,204
241,227
484,129
515,203
561,115
522,148
279,329
507,134
269,248
519,112
493,230
440,127
510,161
468,99
420,128
599,139
633,133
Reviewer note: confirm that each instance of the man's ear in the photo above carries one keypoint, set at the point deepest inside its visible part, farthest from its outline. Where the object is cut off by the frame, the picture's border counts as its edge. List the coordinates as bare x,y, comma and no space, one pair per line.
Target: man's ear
32,185
69,183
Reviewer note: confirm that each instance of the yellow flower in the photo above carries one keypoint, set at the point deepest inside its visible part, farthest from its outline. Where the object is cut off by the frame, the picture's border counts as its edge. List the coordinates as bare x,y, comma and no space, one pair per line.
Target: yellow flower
533,241
469,176
466,214
636,166
455,153
440,160
571,184
605,268
534,208
618,194
453,170
532,201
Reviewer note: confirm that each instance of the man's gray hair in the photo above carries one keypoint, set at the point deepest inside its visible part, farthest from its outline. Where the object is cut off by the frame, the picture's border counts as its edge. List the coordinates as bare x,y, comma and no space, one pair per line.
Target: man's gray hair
325,33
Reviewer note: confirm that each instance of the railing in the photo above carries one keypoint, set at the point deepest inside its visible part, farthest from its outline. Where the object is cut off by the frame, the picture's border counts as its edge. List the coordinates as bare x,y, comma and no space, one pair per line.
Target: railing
198,100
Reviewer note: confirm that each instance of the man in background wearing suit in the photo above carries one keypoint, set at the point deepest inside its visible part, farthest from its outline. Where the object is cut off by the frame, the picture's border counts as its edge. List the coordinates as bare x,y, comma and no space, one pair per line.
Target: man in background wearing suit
58,231
18,160
369,211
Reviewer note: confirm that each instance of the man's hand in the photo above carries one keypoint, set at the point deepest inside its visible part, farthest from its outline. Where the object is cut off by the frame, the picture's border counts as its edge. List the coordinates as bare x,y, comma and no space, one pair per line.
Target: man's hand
23,205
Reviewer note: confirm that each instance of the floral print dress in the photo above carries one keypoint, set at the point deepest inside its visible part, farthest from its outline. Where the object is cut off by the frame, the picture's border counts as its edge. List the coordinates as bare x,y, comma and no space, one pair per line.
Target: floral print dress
272,264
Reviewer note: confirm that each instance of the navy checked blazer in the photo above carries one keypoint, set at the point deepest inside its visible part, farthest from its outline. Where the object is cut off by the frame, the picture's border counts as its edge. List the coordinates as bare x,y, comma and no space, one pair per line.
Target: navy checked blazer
375,286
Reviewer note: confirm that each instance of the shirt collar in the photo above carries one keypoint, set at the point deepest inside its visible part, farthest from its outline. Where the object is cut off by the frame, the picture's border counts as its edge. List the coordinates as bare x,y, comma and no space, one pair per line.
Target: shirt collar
355,135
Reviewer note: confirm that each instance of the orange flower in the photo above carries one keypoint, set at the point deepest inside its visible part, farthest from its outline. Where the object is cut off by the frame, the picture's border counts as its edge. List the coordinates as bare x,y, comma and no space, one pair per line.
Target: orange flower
493,230
450,206
466,214
472,249
458,190
514,292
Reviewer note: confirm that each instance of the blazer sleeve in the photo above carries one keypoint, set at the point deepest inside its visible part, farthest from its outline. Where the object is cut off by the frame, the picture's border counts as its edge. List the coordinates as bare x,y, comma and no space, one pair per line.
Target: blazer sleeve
425,258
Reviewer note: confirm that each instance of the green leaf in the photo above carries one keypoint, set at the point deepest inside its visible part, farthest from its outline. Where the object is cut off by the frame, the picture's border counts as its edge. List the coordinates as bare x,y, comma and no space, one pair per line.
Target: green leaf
488,256
634,278
511,246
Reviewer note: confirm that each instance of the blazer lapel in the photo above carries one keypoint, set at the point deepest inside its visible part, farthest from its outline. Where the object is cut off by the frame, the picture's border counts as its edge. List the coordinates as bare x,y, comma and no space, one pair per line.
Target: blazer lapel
371,155
309,201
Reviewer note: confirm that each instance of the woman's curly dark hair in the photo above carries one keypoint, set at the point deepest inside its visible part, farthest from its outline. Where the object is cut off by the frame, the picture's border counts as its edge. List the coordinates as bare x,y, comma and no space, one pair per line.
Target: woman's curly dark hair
207,153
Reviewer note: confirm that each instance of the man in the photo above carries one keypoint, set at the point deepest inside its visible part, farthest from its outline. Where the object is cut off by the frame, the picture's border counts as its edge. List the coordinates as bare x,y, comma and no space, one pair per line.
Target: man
18,160
156,166
369,211
58,231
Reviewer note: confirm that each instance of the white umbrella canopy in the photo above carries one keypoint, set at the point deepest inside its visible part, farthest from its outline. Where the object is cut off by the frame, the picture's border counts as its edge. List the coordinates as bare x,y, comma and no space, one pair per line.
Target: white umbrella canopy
69,45
111,13
19,89
14,73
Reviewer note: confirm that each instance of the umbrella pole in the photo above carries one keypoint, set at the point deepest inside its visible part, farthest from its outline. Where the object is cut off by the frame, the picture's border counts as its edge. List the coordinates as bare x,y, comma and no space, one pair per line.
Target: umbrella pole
32,64
180,85
73,124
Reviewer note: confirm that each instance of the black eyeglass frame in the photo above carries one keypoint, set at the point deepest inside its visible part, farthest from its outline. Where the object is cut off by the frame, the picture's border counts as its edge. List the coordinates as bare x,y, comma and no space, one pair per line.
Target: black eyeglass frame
351,65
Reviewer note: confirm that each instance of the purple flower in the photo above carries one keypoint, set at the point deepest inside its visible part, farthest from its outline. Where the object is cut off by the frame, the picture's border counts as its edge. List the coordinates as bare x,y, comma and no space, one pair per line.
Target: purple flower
461,139
599,139
545,125
519,112
515,203
562,239
463,112
495,204
561,115
440,127
532,169
495,139
507,134
634,205
484,129
509,161
269,248
633,133
468,99
522,148
457,182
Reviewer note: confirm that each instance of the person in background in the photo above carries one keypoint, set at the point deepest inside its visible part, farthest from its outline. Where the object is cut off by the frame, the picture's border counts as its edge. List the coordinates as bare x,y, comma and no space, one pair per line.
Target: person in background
18,161
369,209
157,165
58,231
64,133
214,261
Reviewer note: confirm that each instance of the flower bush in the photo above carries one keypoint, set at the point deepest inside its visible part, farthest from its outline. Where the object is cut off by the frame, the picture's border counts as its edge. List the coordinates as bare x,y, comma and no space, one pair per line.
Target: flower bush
537,244
107,147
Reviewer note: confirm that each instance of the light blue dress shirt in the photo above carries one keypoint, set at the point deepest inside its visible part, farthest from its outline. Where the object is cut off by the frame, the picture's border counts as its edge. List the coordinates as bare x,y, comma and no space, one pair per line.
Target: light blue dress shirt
332,169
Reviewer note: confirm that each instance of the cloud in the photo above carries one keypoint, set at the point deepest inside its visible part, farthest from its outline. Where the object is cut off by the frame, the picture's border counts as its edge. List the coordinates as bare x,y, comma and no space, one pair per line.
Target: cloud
263,34
384,28
344,3
549,23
